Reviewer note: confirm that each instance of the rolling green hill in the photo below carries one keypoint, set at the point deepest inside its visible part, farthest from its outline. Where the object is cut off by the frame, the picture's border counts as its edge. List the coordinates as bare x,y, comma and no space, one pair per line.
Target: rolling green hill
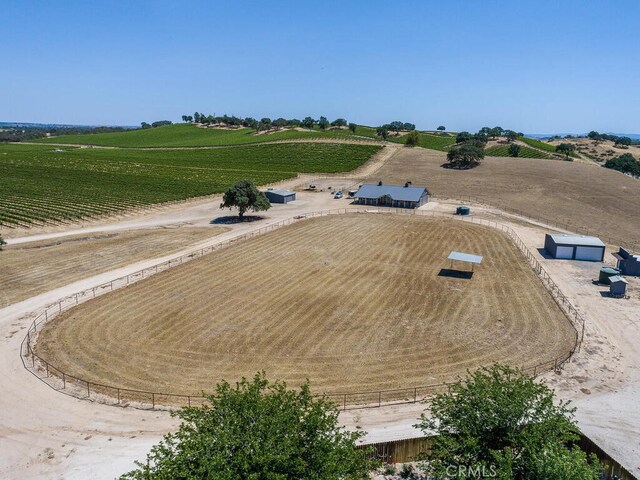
187,135
41,184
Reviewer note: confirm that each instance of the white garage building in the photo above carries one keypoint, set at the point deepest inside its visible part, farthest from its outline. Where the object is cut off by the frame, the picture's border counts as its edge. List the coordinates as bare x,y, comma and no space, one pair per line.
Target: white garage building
574,247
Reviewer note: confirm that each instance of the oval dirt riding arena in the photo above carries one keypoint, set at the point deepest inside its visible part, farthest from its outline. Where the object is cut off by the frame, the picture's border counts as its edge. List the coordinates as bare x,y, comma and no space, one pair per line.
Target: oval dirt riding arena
353,302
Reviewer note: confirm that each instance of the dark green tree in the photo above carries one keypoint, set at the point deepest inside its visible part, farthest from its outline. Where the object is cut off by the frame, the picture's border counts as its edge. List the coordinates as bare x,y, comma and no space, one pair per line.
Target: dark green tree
308,122
339,122
244,195
462,137
413,139
409,127
503,421
257,430
353,127
441,128
382,132
511,135
279,123
266,121
623,141
396,126
625,163
145,125
465,156
566,149
294,122
323,123
514,150
249,122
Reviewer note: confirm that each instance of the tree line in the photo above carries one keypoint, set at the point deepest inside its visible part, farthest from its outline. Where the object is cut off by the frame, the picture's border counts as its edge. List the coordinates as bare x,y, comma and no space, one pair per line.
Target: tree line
19,134
617,140
266,123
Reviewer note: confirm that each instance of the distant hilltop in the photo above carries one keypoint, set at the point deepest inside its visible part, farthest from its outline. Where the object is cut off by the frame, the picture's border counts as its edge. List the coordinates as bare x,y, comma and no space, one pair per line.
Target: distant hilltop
542,136
54,125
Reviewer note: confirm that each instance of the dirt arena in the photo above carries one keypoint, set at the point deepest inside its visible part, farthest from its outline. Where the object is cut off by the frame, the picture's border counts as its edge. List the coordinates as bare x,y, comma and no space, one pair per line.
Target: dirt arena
591,198
352,302
35,267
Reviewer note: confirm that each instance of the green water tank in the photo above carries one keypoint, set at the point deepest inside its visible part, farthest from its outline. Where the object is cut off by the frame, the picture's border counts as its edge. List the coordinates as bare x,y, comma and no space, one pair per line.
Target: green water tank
463,210
606,273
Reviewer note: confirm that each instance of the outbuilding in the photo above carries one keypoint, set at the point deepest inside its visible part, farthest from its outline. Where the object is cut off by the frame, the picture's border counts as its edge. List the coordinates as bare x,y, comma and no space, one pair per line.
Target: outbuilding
617,286
392,195
278,195
628,263
574,247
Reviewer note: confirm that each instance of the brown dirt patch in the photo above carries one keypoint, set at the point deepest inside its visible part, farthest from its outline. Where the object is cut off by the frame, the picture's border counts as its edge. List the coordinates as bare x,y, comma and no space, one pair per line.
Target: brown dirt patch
36,267
352,302
574,195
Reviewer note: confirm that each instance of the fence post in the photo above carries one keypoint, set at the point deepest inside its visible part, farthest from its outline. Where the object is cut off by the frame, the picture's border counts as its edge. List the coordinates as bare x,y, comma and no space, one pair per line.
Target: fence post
153,400
88,390
64,381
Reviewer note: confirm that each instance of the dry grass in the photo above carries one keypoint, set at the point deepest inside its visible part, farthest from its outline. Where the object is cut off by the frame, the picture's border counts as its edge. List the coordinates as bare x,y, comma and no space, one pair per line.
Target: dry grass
588,197
352,302
32,268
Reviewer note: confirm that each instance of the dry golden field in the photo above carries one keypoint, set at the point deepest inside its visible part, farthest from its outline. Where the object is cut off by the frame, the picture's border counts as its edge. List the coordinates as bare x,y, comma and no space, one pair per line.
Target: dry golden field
594,199
35,267
352,302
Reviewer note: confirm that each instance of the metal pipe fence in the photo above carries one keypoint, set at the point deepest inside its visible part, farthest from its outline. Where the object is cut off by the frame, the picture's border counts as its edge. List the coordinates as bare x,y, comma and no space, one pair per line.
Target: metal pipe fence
82,388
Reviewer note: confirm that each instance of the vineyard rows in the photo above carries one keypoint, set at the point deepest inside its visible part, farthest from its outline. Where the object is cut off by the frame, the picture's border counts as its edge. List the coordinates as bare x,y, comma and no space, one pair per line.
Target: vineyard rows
42,185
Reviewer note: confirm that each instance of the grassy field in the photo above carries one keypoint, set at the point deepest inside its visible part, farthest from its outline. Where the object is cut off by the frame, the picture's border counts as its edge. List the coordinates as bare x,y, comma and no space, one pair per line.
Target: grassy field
579,196
187,135
39,184
525,152
432,142
354,303
539,144
35,267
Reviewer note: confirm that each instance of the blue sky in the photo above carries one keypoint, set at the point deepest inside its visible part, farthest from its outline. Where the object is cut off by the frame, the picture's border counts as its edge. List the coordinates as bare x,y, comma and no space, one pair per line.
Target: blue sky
533,66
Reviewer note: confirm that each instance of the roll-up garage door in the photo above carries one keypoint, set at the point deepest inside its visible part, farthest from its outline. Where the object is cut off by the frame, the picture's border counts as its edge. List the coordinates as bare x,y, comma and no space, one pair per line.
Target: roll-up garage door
564,252
589,253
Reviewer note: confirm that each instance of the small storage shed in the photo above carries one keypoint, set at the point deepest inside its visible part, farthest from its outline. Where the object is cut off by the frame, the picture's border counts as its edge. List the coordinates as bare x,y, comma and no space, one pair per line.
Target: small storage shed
628,263
617,286
574,247
278,195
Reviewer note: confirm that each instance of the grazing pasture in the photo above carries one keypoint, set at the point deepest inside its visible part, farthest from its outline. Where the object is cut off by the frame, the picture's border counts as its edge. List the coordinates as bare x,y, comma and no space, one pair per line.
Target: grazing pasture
35,267
353,302
576,195
40,184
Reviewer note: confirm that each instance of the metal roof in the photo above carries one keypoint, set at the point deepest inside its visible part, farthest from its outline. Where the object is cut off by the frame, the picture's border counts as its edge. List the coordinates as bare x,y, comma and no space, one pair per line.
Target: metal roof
582,240
280,191
396,192
616,279
465,257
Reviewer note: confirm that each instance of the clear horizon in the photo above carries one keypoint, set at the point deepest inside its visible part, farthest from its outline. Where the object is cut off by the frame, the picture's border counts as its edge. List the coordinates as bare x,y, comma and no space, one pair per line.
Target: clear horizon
535,67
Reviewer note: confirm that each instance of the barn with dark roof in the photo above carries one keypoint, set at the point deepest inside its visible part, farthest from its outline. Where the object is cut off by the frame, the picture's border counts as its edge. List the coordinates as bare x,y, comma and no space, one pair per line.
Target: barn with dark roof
392,195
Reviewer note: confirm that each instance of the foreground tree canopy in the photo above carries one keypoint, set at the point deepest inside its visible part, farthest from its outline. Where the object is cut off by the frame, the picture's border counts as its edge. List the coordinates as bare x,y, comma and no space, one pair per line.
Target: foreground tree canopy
244,195
257,430
504,423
